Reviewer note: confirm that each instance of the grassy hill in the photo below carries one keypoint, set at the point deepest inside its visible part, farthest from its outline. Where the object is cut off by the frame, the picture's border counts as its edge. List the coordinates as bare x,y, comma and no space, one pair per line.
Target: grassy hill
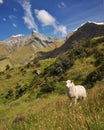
54,112
29,100
3,57
4,51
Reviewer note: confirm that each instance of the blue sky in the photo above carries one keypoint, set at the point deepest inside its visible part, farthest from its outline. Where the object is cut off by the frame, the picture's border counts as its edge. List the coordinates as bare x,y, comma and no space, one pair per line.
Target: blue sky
55,18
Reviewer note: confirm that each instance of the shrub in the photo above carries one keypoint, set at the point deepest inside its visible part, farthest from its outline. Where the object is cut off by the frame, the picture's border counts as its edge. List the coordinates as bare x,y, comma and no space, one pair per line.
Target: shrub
23,71
63,63
48,86
9,94
8,76
7,67
94,76
99,61
20,91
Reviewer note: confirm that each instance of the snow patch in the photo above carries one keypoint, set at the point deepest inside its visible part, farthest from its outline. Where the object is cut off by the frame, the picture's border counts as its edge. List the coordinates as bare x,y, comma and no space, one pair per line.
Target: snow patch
18,35
34,31
97,23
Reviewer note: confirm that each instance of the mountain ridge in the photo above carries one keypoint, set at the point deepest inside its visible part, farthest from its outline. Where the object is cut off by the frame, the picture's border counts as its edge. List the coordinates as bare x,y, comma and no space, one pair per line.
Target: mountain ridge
85,32
21,49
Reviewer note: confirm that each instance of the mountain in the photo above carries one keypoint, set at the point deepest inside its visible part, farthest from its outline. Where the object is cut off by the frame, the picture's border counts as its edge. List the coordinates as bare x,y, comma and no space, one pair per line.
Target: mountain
20,49
36,39
85,32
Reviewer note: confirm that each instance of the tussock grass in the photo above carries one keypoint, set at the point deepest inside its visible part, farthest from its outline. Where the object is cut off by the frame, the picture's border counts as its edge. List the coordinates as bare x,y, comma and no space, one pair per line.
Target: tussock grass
55,113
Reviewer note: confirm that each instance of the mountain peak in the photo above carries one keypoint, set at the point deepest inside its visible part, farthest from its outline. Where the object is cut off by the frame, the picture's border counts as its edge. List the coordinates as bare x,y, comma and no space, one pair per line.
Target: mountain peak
88,23
86,31
98,23
34,31
18,35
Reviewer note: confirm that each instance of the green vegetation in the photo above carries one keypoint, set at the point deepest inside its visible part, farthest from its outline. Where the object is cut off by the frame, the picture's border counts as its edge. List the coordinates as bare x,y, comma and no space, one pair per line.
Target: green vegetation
33,96
54,112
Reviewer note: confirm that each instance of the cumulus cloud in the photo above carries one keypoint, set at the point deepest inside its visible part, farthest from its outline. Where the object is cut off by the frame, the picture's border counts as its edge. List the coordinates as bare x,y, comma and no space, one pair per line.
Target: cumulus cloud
48,20
1,1
45,18
62,29
28,18
62,5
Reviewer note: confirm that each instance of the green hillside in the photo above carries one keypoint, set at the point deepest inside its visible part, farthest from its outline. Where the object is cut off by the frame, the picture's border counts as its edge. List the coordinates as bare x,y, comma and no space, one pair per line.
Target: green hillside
37,101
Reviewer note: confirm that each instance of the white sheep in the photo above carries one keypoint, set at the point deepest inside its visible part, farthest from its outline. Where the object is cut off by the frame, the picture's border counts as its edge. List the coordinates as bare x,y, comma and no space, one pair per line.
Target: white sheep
75,91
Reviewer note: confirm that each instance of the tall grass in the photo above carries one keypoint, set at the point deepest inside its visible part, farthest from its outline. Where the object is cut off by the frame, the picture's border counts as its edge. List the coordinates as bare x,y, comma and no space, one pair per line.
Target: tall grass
55,113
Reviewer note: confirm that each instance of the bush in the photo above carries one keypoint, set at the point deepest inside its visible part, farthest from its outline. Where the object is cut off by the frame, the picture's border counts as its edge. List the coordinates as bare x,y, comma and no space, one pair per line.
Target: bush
7,67
94,76
63,63
9,94
99,61
8,76
48,86
23,71
20,91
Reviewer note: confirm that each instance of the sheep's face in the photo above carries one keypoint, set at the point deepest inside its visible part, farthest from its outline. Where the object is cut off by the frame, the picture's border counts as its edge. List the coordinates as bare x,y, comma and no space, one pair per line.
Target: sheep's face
69,83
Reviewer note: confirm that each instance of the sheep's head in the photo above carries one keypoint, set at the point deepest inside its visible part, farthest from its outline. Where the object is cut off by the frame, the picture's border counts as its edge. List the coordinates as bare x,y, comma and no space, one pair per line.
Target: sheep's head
69,83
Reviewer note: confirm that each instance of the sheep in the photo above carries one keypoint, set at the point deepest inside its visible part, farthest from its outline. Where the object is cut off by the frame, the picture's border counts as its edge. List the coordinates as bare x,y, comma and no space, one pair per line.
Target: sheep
75,91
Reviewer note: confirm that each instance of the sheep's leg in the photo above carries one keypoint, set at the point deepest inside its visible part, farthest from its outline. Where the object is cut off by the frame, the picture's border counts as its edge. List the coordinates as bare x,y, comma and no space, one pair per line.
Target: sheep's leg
70,104
71,100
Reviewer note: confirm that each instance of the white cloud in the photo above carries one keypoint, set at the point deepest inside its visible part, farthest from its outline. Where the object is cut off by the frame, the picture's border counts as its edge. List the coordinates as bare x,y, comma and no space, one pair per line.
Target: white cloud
62,29
14,25
28,18
4,19
1,1
45,18
62,5
48,20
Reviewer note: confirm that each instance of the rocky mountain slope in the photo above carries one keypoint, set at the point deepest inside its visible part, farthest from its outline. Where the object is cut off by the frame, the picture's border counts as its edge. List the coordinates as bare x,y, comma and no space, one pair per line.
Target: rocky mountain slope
85,32
20,49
